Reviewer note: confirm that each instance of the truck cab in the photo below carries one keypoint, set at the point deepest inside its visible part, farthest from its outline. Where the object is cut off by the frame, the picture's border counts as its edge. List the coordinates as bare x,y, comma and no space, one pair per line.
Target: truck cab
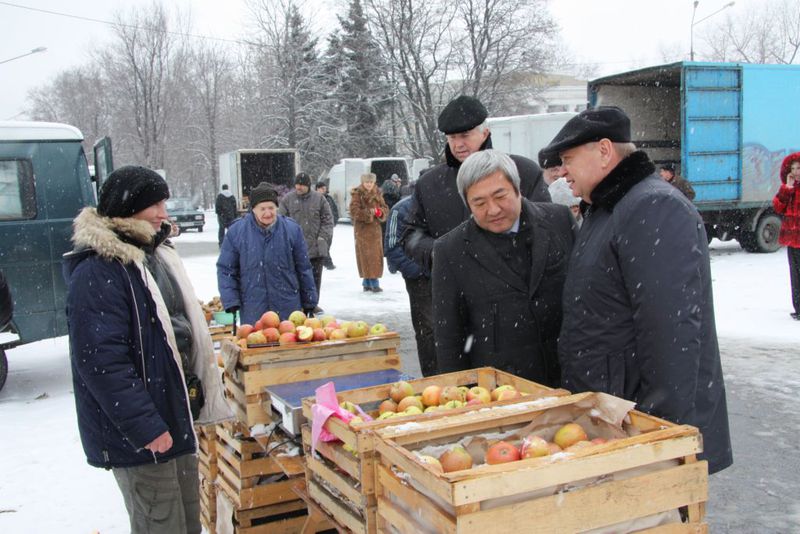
44,183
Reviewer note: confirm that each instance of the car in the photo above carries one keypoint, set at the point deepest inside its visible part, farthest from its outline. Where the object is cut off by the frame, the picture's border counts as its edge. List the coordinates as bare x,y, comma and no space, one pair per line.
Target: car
185,215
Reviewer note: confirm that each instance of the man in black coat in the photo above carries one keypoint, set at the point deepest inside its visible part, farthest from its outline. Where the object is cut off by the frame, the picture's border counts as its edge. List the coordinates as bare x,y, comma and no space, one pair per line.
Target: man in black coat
225,208
322,189
437,206
498,277
638,306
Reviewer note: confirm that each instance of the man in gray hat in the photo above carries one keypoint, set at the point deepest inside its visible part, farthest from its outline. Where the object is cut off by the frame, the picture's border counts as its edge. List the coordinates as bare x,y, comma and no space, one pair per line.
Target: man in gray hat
638,307
437,206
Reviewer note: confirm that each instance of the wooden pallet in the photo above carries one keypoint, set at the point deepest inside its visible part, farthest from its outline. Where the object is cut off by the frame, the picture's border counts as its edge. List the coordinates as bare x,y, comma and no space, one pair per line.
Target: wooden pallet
243,462
249,371
344,483
549,495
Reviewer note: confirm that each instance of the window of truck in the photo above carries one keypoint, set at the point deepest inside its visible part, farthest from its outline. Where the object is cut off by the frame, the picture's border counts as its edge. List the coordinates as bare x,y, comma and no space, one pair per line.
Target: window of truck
17,193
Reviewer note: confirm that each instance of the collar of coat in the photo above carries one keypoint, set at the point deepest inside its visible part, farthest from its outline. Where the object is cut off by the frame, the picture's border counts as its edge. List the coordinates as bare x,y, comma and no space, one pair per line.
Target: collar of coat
451,159
629,172
122,238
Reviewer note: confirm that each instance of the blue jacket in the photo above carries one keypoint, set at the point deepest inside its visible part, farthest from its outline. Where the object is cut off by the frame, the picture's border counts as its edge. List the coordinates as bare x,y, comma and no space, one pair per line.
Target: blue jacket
260,270
129,387
393,245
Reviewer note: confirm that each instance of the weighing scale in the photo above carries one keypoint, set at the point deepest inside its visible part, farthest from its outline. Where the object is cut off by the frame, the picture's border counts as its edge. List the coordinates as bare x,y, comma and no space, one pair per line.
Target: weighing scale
287,399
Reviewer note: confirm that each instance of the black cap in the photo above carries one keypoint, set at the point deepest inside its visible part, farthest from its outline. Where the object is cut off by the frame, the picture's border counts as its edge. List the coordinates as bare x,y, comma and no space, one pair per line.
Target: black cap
668,167
320,185
129,190
263,192
604,122
462,114
224,187
302,179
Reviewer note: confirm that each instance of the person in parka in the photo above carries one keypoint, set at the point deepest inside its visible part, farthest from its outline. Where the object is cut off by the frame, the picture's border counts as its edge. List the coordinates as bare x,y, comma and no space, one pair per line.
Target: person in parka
312,212
498,277
263,265
129,374
638,304
368,211
787,204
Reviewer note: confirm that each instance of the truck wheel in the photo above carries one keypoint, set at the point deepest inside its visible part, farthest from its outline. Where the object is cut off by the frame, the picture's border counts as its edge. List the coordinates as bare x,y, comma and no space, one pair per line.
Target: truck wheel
3,368
710,232
200,229
767,231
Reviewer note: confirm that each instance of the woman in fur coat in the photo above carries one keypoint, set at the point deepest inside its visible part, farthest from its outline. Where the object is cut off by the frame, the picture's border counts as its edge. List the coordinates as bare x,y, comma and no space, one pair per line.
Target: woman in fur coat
367,211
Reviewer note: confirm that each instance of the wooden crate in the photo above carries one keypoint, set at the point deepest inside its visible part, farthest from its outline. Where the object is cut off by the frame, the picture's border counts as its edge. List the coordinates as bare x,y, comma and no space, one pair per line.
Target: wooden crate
207,467
249,371
208,505
244,461
343,483
585,489
281,518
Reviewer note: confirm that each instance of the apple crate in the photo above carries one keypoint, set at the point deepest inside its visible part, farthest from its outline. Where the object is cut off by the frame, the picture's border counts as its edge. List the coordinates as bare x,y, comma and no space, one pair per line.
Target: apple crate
207,467
649,481
344,483
257,473
208,505
281,518
249,370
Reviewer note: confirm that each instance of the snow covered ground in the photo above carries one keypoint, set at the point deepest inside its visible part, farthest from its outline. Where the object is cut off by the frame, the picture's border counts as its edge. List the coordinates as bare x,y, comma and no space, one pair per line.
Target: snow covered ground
46,486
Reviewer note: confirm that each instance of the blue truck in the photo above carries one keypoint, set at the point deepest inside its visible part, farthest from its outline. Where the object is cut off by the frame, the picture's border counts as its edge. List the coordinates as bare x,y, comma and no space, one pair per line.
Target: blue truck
725,126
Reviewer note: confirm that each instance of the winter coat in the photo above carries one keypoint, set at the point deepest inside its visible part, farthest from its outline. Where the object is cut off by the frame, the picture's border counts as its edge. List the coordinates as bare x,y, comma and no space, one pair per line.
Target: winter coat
787,204
334,208
486,314
225,208
312,212
6,303
262,269
683,185
390,192
638,306
396,257
367,228
127,373
438,208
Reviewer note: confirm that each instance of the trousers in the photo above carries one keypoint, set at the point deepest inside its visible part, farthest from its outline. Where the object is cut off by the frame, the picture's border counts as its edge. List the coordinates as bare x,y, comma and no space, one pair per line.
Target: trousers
420,298
794,276
162,498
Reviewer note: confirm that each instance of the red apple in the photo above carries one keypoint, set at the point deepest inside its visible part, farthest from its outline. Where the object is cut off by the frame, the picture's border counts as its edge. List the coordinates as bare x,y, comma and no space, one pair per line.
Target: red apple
357,329
297,317
271,334
430,395
286,326
496,391
256,338
408,402
387,406
508,394
451,393
287,338
338,333
455,459
244,330
319,335
259,325
502,452
533,447
400,390
304,333
313,322
482,394
570,434
270,319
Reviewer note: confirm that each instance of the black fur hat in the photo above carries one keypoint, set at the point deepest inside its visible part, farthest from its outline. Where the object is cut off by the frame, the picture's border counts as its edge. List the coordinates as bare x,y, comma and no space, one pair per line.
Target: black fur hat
604,122
129,190
462,114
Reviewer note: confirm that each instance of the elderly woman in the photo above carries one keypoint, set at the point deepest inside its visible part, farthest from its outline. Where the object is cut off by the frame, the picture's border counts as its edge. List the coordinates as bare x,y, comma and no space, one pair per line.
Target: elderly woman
263,264
367,211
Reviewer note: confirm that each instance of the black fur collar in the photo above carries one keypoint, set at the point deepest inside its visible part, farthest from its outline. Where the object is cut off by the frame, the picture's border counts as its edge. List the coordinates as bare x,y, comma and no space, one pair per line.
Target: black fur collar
621,179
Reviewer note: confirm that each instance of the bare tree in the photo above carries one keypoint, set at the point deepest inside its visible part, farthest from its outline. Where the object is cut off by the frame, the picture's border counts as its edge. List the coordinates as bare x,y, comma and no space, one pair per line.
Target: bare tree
766,33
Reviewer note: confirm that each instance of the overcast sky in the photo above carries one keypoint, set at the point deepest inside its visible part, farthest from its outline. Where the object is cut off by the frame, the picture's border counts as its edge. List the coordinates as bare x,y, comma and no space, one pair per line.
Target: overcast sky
616,35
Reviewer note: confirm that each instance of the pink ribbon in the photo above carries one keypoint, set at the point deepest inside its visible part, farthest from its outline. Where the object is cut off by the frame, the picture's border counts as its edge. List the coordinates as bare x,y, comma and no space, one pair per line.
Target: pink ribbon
327,405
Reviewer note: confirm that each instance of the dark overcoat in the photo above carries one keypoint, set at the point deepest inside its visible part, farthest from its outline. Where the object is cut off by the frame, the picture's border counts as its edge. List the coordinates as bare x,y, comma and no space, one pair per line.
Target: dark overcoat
486,314
638,305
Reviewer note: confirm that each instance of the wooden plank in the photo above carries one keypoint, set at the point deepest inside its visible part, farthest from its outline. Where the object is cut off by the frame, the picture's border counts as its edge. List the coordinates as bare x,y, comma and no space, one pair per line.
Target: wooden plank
391,453
301,351
319,368
334,452
341,513
597,506
677,528
431,514
291,525
343,485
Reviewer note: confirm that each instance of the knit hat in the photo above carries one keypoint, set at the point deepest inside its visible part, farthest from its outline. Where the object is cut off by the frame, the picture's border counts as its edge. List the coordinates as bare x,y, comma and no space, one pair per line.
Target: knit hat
368,177
320,185
263,192
786,165
302,179
668,167
129,190
604,122
462,114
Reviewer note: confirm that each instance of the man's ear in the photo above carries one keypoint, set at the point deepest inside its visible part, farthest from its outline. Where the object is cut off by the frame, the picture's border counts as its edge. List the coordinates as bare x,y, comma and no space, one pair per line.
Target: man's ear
606,149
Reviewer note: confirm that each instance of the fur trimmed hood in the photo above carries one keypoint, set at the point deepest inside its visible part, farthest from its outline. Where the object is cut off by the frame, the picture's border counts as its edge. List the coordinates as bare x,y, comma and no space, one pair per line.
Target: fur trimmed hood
112,237
786,165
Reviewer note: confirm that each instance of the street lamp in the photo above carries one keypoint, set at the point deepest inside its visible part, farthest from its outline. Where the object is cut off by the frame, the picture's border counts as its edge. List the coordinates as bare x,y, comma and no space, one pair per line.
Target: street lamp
34,51
691,28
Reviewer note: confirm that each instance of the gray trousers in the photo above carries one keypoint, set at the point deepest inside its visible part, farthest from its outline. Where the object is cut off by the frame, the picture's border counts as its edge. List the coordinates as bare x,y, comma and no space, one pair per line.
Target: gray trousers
162,498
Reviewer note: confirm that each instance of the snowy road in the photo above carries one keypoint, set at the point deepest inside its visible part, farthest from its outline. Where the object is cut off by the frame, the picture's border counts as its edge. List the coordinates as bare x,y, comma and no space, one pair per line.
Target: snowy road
46,486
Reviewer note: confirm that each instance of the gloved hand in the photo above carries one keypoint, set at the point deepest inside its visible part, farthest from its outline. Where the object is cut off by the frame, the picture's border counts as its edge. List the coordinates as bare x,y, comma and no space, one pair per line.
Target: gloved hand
309,312
232,309
378,212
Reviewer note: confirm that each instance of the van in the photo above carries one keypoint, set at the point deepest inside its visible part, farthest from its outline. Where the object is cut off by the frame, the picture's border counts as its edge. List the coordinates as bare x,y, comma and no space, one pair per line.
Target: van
44,183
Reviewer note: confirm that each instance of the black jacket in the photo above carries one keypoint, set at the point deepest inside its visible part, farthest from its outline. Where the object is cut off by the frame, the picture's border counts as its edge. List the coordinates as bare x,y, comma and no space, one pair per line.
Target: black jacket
334,208
225,208
638,306
6,303
438,208
486,314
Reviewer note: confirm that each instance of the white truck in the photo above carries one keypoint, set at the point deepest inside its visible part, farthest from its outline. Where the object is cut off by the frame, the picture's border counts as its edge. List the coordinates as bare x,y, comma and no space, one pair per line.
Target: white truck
244,169
346,175
525,135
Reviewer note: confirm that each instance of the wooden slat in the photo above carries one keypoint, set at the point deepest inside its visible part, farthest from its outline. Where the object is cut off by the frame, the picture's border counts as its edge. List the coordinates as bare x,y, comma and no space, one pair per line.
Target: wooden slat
431,514
292,525
334,452
677,528
597,506
302,351
341,513
341,483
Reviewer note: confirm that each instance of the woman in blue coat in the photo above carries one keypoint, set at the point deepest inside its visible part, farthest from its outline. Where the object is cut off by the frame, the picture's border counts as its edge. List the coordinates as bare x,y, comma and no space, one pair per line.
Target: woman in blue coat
263,264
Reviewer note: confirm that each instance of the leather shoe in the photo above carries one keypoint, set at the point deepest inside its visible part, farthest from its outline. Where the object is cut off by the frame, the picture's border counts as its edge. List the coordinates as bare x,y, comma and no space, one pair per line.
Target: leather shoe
795,316
375,289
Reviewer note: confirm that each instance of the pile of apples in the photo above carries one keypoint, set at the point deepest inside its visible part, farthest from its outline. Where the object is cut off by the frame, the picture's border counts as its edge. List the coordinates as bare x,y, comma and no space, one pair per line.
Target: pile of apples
403,401
299,328
568,438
